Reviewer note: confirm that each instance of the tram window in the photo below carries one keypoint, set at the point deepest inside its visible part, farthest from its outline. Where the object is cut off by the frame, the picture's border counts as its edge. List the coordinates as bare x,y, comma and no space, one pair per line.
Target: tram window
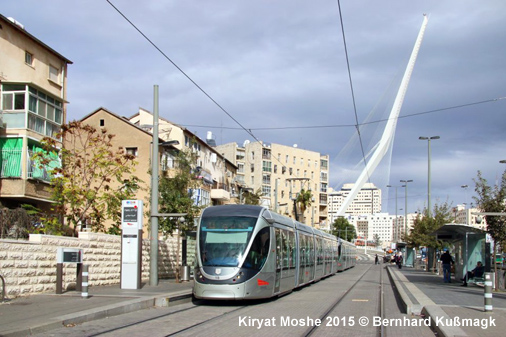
292,249
286,249
259,250
279,248
223,240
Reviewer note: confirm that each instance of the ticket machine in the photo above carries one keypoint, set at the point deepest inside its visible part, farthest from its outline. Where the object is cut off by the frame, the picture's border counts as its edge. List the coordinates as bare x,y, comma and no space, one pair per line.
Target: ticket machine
131,243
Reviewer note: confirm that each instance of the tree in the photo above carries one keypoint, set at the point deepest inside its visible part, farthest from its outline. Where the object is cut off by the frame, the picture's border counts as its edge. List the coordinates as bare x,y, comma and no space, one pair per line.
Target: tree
304,199
176,197
250,198
492,199
85,184
343,229
377,240
425,224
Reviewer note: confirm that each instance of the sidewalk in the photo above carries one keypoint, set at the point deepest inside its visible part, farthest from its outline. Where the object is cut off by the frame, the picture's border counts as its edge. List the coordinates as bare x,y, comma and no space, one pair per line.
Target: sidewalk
23,316
453,310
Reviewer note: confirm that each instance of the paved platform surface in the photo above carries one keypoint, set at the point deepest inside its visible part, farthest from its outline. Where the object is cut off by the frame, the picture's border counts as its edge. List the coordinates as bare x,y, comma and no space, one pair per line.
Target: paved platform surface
24,316
453,310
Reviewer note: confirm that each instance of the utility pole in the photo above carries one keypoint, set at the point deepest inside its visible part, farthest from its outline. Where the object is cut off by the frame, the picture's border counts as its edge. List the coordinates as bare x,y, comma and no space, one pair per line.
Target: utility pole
153,254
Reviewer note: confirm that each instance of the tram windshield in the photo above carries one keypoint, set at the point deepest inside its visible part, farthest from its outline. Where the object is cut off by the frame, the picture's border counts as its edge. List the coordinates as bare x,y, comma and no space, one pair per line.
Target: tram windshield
223,240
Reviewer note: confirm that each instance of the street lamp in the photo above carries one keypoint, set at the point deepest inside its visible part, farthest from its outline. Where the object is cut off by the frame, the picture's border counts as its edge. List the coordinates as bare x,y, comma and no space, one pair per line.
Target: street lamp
465,205
396,219
406,206
428,184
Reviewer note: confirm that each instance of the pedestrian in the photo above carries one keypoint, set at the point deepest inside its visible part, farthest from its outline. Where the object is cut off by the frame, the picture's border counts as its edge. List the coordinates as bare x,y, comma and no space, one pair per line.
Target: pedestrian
399,261
376,259
447,261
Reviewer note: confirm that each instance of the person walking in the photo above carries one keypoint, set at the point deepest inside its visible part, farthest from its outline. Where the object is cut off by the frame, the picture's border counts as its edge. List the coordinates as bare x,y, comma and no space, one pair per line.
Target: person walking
447,261
376,259
399,260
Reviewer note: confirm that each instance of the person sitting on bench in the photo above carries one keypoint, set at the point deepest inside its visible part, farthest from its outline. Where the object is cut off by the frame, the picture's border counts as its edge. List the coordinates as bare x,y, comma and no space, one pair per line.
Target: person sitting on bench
476,272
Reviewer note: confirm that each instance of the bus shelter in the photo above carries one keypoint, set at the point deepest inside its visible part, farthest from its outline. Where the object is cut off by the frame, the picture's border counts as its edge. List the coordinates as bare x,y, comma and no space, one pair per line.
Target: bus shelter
469,247
408,254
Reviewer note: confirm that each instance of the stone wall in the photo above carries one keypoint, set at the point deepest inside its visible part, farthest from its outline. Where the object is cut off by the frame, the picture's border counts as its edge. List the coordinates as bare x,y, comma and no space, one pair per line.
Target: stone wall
29,267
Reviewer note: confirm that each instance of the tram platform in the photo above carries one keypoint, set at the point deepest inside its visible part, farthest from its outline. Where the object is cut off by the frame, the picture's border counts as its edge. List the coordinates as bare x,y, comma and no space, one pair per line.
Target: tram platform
24,316
454,310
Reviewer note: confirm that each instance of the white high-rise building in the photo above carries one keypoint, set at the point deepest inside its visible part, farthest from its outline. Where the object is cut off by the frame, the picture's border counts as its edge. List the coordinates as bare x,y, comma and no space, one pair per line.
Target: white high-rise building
367,201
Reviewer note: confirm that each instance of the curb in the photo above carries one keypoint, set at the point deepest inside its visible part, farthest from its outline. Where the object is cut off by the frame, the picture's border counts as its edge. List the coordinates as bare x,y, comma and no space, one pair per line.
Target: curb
410,307
103,312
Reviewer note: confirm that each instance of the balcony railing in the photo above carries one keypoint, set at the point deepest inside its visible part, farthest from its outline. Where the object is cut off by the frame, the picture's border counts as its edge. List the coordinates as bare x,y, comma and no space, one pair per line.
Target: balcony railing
35,171
11,163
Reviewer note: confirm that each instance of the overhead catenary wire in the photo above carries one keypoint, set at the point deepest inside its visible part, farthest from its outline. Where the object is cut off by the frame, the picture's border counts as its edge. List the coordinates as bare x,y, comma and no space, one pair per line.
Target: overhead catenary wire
357,125
182,72
352,125
188,77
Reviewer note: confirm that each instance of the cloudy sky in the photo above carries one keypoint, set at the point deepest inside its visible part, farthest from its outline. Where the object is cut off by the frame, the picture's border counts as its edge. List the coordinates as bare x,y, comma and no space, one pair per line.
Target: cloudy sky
279,68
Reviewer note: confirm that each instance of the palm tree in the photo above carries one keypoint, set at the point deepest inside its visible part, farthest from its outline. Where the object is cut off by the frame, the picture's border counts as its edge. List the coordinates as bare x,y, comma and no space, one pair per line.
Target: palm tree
304,201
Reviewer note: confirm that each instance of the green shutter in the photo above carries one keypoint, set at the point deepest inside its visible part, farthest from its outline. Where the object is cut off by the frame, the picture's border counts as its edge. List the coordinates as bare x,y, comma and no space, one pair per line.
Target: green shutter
10,157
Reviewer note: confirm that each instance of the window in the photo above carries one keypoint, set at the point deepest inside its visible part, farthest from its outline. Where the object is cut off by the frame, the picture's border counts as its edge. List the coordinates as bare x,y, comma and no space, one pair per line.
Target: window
266,179
266,166
102,122
53,73
294,159
287,159
28,58
266,153
45,112
266,190
132,151
275,168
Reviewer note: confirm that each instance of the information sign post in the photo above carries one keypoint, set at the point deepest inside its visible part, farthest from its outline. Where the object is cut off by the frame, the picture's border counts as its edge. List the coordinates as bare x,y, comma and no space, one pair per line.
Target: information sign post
68,255
131,243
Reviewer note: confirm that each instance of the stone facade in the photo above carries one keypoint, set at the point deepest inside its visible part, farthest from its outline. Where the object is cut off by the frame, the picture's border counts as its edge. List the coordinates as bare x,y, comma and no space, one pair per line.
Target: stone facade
29,267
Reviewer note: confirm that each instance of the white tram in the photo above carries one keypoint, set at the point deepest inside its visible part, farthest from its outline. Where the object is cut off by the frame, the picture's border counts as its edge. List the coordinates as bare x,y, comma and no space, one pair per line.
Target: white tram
249,252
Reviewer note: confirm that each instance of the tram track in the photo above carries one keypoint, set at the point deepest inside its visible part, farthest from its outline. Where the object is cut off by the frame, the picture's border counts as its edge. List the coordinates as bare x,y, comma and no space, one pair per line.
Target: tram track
312,330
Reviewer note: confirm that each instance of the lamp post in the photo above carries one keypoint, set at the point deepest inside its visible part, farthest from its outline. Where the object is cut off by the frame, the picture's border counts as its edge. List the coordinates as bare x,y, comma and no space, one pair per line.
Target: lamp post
465,205
406,205
428,183
396,224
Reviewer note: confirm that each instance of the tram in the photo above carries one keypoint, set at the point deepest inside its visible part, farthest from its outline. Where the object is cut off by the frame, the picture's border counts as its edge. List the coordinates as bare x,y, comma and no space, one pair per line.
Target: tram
250,252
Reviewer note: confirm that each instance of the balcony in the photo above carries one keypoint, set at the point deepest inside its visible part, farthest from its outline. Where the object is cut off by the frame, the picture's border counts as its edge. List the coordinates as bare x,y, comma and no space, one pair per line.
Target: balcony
220,192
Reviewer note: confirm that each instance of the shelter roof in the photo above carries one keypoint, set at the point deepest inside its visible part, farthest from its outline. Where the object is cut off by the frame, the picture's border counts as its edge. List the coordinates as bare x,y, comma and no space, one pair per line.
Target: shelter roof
455,232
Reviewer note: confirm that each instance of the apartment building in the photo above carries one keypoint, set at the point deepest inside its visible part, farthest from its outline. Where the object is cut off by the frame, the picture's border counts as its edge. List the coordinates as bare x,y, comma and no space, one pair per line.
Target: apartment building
217,173
135,135
371,225
367,201
33,101
465,215
280,172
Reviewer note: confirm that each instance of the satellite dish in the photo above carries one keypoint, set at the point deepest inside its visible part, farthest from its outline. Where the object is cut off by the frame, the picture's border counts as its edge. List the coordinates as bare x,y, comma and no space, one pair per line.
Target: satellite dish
294,145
